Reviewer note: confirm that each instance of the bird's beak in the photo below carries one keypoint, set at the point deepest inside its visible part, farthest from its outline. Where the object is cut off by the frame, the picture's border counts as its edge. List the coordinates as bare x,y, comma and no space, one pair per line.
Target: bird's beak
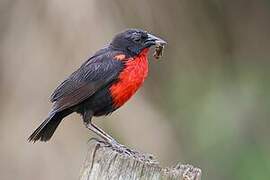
153,40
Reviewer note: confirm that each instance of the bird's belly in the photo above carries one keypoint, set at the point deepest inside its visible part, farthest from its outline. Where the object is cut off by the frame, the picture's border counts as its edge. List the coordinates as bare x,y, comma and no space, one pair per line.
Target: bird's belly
129,81
100,103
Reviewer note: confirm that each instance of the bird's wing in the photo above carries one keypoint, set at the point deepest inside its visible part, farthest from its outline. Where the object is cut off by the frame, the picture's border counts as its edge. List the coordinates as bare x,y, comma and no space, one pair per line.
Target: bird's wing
83,83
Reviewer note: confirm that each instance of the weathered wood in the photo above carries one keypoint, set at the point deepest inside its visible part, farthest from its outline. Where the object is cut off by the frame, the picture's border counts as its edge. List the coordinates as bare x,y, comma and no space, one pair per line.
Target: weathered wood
107,163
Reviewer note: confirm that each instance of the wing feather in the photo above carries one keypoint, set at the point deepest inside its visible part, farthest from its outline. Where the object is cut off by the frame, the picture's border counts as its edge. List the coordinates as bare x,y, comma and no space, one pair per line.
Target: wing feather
94,74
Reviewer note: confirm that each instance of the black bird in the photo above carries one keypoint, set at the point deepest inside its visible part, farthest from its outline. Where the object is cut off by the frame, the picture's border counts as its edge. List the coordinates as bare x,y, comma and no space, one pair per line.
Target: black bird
102,84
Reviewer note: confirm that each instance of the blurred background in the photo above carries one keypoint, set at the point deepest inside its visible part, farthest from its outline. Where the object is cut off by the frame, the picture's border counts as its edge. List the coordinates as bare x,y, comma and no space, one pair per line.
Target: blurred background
206,102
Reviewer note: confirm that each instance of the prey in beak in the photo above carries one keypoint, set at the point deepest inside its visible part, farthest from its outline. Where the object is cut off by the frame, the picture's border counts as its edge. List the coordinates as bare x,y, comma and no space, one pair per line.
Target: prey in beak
159,45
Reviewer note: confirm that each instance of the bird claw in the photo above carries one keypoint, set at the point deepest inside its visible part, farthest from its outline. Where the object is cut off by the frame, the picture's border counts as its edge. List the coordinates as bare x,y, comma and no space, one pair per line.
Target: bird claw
123,150
114,145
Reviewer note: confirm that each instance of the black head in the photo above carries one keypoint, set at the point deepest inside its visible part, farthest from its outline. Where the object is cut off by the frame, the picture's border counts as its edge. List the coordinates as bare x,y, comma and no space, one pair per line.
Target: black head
135,40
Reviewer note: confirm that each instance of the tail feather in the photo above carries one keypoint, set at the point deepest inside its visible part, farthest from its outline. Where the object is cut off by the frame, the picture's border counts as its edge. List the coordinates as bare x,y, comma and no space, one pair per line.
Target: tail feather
47,128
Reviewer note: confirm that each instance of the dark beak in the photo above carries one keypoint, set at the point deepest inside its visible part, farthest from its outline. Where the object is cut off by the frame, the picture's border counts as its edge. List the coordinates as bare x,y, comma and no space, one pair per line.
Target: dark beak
153,40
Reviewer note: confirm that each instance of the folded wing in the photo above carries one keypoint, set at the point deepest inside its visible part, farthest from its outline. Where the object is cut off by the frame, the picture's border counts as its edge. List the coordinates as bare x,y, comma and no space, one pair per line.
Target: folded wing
93,75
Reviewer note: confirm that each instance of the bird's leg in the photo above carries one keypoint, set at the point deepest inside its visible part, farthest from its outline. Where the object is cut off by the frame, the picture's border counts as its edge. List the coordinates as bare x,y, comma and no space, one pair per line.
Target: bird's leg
111,140
87,118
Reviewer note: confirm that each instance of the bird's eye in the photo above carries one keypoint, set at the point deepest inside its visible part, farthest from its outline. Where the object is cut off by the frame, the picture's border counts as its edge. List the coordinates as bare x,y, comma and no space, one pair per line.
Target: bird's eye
136,37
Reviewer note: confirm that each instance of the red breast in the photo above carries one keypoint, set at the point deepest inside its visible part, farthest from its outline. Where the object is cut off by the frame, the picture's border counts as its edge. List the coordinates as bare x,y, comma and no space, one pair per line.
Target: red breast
130,79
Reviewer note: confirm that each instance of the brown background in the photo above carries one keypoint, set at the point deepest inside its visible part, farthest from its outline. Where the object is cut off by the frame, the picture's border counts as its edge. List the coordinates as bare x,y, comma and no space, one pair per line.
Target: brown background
206,102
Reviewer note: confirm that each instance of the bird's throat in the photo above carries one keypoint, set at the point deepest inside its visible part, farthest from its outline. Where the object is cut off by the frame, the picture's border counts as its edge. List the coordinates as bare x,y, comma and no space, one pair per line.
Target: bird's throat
130,79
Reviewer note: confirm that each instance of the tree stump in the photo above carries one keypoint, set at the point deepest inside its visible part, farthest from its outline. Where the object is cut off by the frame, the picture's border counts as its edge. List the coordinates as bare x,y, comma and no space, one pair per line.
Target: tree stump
106,163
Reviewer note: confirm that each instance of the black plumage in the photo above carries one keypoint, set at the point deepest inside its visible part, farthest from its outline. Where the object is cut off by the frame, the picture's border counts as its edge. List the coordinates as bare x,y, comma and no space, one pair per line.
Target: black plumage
87,90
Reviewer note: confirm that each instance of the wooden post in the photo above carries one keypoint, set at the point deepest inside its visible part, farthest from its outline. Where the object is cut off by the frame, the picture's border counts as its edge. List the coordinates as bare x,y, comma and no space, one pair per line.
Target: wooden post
106,163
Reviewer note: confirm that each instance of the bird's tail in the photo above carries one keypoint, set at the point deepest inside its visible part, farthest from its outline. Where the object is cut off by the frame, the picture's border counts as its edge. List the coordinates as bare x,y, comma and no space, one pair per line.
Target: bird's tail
47,128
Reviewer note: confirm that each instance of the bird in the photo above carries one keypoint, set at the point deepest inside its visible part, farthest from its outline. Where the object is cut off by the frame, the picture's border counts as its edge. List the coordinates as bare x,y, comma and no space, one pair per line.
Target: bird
102,84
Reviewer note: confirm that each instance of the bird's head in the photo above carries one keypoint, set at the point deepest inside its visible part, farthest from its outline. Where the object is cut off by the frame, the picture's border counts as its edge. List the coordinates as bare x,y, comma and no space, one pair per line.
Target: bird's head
135,41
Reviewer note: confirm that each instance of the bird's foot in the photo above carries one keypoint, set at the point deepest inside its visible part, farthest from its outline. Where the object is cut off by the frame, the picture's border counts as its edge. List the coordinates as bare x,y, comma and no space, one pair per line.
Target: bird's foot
113,144
121,148
127,151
